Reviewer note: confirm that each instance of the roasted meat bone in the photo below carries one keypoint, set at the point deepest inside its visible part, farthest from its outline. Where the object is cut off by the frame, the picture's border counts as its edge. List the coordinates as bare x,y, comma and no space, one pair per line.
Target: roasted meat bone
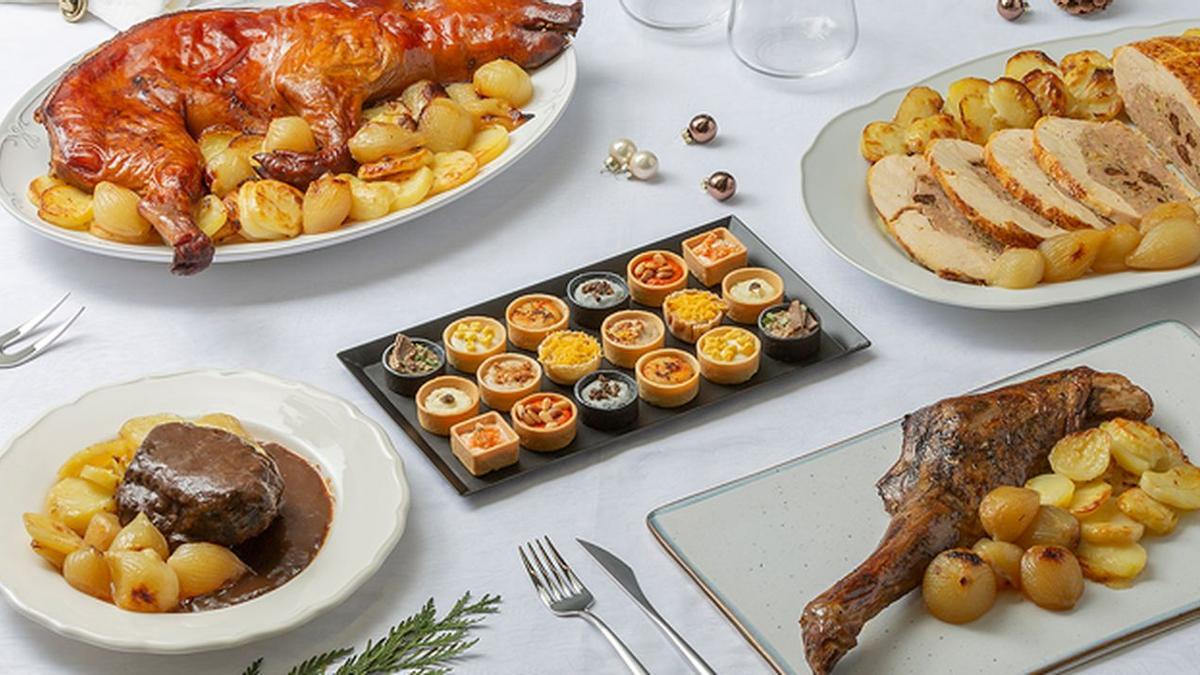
955,452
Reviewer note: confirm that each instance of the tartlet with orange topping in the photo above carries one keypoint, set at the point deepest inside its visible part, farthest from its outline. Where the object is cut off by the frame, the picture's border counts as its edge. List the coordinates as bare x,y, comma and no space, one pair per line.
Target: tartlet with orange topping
653,275
568,355
545,422
629,334
484,443
690,313
668,378
712,255
530,318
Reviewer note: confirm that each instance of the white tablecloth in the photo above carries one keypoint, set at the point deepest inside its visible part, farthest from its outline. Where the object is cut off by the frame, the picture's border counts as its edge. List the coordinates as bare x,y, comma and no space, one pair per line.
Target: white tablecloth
289,316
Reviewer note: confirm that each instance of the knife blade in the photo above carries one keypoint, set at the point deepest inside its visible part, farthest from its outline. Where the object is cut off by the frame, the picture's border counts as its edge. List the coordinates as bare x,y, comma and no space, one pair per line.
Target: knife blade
624,577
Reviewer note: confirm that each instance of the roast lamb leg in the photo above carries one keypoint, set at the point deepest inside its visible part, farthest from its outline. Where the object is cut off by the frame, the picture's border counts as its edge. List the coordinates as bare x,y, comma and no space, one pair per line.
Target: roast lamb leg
955,452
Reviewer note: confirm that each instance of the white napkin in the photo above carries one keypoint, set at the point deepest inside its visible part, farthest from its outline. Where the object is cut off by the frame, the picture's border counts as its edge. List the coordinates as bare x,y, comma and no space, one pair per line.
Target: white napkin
122,14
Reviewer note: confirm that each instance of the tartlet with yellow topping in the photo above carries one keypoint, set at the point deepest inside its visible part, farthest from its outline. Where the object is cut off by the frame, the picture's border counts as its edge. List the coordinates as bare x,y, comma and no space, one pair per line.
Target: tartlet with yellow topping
749,291
690,313
668,378
653,275
568,355
471,340
629,334
546,421
445,401
485,443
712,255
530,318
728,355
505,379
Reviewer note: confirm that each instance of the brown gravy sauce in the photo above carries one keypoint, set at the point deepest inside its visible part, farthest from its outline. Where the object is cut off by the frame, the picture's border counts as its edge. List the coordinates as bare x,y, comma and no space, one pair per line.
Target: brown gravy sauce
288,545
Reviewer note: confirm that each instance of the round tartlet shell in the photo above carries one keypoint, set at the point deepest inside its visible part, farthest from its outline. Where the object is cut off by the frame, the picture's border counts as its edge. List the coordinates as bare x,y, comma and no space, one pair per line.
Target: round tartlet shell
468,362
607,419
789,349
653,296
503,399
720,372
593,317
568,375
689,331
407,385
625,356
747,312
438,423
546,440
530,338
667,395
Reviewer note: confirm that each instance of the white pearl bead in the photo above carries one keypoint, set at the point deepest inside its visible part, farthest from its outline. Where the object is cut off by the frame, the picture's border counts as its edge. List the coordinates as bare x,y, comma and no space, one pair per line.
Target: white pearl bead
643,165
622,150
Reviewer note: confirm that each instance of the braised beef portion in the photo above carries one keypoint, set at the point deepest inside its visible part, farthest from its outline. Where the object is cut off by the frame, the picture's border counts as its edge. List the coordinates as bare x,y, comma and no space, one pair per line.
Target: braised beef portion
201,484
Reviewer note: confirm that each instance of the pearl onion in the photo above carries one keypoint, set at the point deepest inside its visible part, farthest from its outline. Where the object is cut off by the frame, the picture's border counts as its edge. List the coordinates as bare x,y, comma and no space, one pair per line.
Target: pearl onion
643,165
622,150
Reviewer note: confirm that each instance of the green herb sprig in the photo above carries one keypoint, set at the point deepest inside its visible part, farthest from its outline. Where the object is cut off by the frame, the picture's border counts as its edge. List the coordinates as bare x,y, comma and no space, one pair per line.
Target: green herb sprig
422,643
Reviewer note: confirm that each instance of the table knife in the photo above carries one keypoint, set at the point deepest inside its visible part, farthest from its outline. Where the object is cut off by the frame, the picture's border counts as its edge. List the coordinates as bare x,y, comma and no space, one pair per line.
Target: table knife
627,580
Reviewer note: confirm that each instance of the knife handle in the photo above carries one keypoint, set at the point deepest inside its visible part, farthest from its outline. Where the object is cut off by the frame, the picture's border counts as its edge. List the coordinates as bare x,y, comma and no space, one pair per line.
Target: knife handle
694,660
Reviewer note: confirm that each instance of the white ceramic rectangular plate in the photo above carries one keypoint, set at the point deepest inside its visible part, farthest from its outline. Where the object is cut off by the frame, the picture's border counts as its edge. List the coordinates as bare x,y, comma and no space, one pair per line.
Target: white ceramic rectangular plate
25,154
764,545
835,194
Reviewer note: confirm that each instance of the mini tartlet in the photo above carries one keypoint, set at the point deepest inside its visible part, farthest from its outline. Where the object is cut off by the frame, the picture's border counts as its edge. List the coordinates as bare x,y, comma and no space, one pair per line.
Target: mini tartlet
545,422
530,318
728,355
749,291
653,275
691,313
790,331
485,443
409,363
568,355
712,255
505,379
608,400
445,401
471,340
668,378
629,334
595,295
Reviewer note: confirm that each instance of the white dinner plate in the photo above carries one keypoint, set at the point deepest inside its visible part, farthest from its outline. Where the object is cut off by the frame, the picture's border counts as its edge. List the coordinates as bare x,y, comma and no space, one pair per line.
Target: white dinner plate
362,469
835,192
25,153
764,545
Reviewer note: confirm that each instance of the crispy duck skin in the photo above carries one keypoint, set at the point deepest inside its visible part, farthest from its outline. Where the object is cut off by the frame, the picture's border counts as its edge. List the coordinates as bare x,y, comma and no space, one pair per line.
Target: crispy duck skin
955,452
129,112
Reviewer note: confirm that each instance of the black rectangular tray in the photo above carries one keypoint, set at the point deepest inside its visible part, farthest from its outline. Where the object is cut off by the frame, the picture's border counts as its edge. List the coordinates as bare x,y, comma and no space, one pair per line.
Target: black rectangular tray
838,339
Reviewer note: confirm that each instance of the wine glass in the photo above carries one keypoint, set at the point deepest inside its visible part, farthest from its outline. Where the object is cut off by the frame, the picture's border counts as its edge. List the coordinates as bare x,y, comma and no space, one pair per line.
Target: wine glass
676,14
793,38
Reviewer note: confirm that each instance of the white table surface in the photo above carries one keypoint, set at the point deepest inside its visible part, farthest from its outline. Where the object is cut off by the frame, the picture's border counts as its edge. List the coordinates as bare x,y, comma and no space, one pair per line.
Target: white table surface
289,316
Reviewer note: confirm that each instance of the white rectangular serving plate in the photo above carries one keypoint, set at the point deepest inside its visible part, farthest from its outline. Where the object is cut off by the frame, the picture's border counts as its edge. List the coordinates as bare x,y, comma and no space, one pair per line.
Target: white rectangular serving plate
764,545
835,194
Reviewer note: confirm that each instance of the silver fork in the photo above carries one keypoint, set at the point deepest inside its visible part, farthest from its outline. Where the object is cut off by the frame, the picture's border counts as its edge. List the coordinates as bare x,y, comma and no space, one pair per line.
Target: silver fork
16,358
566,595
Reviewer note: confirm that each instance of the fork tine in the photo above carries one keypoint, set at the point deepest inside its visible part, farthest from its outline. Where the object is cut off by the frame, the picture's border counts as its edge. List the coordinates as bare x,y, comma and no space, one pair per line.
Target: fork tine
578,585
33,323
537,582
554,569
49,339
556,591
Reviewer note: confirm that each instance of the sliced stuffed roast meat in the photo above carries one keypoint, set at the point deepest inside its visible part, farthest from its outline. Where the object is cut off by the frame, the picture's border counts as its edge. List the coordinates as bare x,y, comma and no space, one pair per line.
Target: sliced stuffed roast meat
1109,166
926,224
1009,156
960,169
1159,80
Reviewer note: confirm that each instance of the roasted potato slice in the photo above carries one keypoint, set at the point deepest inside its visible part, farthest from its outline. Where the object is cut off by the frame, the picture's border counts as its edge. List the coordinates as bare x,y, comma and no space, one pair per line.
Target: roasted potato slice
410,189
390,112
1089,497
418,95
923,130
377,140
39,185
1082,456
1156,516
395,165
1028,61
1175,455
918,103
961,89
1049,91
73,502
135,429
1092,88
215,140
1054,489
1070,256
99,454
977,118
1136,446
247,145
1111,563
106,479
489,143
1015,106
451,169
1178,487
327,204
67,207
52,540
368,201
880,139
1108,526
269,209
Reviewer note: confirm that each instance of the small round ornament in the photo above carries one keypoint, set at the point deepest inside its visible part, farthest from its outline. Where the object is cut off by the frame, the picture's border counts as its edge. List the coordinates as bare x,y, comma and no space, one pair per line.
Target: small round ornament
720,186
620,152
643,165
702,129
1011,10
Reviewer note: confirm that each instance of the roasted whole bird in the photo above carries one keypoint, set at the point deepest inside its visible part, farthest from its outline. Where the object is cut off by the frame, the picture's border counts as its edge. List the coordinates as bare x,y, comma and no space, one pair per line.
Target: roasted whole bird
129,112
955,452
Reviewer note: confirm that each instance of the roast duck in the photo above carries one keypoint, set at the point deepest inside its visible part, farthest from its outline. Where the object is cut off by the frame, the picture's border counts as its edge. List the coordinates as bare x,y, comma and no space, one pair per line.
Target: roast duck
954,452
130,111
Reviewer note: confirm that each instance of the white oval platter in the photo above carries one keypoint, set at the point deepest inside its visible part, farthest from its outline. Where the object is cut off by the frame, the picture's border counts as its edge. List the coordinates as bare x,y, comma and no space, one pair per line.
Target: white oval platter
835,194
364,473
25,154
